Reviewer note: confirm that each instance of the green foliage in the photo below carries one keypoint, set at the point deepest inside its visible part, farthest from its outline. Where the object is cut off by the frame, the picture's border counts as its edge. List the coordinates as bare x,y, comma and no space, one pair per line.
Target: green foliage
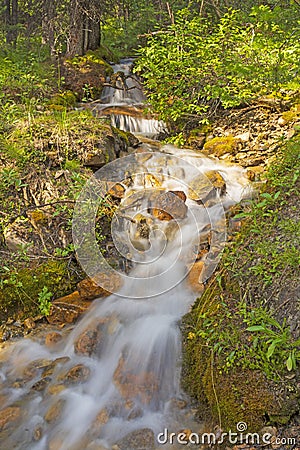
24,291
248,338
44,297
191,66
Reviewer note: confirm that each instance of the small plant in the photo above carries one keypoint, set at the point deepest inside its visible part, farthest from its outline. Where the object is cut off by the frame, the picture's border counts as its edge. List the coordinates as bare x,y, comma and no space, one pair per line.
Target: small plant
44,297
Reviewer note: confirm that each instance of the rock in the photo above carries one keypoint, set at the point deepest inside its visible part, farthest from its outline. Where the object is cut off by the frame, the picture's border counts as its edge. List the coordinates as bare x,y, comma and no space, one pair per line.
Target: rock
219,146
194,276
217,181
64,313
169,205
117,191
8,416
137,440
89,341
100,420
41,385
89,289
55,389
52,339
55,410
245,137
29,323
131,385
206,185
77,374
255,173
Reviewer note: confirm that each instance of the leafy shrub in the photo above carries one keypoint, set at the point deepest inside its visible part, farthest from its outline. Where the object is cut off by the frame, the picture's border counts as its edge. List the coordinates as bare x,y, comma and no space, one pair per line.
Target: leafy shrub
191,67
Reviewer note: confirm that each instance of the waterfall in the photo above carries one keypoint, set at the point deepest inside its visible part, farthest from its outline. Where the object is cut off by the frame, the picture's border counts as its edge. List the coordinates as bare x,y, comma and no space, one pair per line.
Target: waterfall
118,369
124,101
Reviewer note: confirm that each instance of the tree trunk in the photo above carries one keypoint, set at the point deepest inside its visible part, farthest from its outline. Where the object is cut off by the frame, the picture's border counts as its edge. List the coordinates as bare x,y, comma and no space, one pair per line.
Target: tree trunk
11,21
48,25
84,32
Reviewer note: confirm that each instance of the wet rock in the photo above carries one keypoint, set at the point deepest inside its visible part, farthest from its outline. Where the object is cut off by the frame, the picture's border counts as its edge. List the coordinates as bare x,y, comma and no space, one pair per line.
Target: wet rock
77,374
37,433
194,277
206,185
131,385
52,339
100,420
137,440
41,385
169,205
90,340
55,411
56,389
35,367
8,416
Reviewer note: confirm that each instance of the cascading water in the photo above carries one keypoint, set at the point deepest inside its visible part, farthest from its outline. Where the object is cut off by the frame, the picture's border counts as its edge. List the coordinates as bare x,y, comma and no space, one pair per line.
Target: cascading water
124,102
118,370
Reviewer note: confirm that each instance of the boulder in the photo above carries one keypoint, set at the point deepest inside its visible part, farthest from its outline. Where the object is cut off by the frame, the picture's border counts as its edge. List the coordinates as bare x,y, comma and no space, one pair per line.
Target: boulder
219,146
169,205
90,340
8,416
52,339
77,374
206,185
194,277
142,439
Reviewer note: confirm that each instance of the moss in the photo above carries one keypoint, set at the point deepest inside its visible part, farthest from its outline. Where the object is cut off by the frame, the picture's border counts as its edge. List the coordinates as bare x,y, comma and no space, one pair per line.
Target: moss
221,145
20,287
65,99
241,346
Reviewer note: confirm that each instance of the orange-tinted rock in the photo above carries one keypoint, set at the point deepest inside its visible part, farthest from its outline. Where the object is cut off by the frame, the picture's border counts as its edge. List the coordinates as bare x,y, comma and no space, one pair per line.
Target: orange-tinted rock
54,411
52,339
29,323
100,420
217,181
64,313
77,374
89,289
130,385
8,416
137,440
170,205
90,340
101,285
194,276
117,191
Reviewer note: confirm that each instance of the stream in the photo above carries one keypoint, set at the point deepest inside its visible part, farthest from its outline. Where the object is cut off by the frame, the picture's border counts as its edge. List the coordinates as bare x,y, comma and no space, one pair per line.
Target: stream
113,381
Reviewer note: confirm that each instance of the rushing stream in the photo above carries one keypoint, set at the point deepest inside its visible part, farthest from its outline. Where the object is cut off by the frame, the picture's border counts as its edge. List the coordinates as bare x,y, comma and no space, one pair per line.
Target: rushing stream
118,369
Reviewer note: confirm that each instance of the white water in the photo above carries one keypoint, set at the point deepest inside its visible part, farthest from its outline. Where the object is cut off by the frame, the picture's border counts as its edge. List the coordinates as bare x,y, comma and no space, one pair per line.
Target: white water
127,91
135,369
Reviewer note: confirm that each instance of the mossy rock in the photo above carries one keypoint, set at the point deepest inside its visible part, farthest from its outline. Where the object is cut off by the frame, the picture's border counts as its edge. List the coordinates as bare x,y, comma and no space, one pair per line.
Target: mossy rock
85,75
20,287
219,146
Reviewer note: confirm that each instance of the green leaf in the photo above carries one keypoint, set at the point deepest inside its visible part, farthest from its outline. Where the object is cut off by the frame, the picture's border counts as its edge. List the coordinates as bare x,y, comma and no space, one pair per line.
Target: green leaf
256,328
289,363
